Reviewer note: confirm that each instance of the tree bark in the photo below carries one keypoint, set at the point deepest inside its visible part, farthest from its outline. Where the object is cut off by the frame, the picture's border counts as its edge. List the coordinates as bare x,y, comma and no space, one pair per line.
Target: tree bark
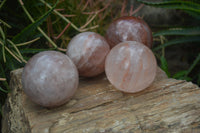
168,105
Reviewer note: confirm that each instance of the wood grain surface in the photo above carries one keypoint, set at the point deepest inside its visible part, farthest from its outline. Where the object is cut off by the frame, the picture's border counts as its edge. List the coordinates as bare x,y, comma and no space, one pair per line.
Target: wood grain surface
168,105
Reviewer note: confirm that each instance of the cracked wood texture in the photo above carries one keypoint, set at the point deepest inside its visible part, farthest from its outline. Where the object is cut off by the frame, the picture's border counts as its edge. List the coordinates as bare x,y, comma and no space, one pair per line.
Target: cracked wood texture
168,105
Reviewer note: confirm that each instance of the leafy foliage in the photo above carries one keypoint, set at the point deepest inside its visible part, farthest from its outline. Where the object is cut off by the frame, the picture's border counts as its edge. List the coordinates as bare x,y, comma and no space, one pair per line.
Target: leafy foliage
179,31
23,35
188,35
11,48
189,6
181,40
164,65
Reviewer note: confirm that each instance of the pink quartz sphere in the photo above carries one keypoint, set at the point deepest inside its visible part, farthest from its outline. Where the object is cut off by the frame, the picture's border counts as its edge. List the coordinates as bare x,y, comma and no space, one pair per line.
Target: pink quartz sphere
50,78
88,51
129,29
130,66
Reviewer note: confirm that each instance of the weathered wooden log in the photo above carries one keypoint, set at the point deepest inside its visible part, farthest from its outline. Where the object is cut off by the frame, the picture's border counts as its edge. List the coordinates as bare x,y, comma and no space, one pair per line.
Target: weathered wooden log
168,105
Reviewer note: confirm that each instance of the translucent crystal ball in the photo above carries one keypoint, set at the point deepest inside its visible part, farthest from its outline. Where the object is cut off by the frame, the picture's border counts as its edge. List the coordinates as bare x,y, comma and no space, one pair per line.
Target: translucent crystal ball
88,51
50,78
130,66
129,28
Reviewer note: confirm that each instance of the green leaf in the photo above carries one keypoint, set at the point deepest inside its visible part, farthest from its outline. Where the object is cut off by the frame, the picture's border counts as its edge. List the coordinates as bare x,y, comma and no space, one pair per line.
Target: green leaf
4,23
179,31
193,14
2,34
164,65
184,74
16,49
175,4
180,74
2,3
193,64
190,7
23,35
33,51
3,90
3,50
185,78
178,41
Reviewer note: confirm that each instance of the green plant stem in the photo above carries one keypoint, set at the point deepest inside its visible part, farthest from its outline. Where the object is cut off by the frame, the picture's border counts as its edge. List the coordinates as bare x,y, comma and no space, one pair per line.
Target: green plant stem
7,25
9,52
2,3
178,41
2,43
2,33
41,31
19,57
13,54
60,15
162,42
17,50
89,21
68,21
26,43
3,90
3,50
193,65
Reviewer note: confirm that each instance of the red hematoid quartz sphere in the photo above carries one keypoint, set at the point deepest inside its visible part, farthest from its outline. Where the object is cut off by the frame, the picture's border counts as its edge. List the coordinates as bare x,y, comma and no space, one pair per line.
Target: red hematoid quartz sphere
88,51
129,29
50,78
130,66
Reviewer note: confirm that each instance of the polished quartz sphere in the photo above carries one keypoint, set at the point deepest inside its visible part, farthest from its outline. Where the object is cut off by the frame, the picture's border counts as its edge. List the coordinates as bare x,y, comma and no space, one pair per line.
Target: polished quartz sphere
88,51
50,78
130,66
129,29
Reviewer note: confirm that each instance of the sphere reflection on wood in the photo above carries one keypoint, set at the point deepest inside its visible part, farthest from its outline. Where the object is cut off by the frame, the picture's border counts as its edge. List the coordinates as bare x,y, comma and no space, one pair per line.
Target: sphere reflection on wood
130,66
50,78
88,51
129,29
